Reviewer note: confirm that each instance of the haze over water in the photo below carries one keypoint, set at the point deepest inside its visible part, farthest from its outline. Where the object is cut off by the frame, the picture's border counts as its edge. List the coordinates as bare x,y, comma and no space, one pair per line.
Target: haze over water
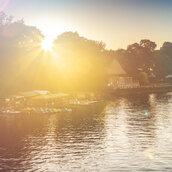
126,134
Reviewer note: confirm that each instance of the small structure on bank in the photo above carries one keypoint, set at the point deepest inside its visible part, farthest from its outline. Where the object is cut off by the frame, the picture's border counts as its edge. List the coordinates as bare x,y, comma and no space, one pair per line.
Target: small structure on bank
119,79
169,78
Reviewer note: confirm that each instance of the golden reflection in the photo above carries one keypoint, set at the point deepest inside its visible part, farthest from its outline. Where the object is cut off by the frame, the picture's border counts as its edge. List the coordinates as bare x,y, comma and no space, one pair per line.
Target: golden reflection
152,100
149,153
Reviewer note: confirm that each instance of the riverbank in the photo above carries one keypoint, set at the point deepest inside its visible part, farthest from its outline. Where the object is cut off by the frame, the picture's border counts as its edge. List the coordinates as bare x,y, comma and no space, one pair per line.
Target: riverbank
45,102
143,89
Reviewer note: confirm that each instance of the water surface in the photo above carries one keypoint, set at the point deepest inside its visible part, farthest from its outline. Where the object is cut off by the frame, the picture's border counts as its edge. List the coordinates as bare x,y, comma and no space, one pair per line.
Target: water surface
124,134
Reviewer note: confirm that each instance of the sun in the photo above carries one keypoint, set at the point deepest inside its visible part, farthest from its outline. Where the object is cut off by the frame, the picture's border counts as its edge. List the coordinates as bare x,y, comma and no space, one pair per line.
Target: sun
47,44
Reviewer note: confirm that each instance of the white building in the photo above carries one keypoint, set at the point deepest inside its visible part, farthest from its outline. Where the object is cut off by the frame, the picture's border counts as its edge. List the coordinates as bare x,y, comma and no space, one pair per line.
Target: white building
118,78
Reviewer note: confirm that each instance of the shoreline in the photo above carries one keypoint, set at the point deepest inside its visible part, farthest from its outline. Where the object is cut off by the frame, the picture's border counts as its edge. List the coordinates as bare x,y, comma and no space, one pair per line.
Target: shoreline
141,90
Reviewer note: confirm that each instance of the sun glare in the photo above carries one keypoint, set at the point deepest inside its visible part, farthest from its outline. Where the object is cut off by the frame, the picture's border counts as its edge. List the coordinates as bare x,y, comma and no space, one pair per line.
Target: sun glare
47,44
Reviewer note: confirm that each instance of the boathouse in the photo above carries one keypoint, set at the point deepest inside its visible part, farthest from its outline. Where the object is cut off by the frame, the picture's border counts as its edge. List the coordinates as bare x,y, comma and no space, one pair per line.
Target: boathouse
119,79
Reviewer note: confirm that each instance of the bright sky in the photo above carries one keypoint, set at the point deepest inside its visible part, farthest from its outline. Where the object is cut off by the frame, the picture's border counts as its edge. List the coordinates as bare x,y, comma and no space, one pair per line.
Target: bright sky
115,22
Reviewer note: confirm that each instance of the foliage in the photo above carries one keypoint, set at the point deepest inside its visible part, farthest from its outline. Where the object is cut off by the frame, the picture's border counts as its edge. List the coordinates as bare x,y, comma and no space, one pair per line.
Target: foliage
143,78
76,63
143,57
83,61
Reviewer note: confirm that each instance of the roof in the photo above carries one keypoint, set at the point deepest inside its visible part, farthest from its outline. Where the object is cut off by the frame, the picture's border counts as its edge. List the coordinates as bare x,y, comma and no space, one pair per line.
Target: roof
115,69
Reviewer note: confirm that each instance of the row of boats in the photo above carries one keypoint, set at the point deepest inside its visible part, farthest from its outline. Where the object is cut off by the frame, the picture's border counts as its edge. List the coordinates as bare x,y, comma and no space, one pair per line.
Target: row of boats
45,102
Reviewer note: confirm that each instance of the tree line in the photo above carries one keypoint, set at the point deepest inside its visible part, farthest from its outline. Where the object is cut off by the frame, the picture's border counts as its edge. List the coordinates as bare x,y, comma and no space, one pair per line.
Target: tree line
75,63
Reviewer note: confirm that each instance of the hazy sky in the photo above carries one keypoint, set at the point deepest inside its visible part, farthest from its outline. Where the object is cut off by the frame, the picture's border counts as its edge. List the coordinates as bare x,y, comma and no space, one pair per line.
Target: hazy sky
115,22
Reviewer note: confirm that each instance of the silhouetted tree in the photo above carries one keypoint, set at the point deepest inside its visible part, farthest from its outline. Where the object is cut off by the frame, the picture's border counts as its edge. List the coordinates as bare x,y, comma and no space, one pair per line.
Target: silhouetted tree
83,61
18,44
76,63
167,49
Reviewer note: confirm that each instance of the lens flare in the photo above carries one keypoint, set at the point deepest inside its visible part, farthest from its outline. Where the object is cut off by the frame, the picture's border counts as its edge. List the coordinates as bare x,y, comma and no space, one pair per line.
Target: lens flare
3,4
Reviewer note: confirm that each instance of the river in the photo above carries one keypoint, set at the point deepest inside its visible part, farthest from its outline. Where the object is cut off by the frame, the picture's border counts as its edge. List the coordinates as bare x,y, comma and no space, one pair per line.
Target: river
131,133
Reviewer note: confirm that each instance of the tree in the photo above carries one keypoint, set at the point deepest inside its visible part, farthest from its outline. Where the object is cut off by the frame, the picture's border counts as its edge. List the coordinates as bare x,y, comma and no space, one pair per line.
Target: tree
18,44
141,55
167,49
149,45
81,60
143,78
163,60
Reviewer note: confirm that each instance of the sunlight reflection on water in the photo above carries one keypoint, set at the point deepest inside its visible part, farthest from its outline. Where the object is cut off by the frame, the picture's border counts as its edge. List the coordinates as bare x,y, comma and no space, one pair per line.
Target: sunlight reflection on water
129,134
